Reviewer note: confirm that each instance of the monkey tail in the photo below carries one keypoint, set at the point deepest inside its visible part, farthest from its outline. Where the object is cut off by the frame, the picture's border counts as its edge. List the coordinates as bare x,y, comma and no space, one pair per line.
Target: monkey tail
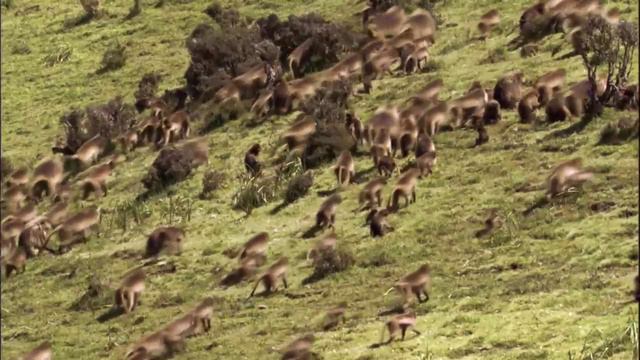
55,230
291,67
341,174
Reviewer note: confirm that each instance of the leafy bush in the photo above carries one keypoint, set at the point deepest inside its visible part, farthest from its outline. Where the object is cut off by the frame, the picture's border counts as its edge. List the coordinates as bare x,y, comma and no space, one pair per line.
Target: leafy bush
109,120
211,181
329,109
254,193
329,40
218,56
171,166
114,58
329,262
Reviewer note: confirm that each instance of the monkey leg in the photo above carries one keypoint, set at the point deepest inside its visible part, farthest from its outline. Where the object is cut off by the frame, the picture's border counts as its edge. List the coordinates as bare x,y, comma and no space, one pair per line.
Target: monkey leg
413,194
404,331
136,300
8,269
418,333
256,286
418,292
284,282
332,221
206,324
269,284
103,186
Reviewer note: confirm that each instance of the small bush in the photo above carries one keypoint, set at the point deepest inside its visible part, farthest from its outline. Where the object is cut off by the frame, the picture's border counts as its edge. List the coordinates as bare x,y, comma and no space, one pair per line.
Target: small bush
329,109
298,187
60,55
171,166
148,86
91,7
114,58
618,132
20,48
211,181
224,17
109,120
254,193
329,262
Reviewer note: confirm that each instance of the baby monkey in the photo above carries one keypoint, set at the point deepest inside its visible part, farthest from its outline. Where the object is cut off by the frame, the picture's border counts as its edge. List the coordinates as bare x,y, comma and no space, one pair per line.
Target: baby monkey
275,272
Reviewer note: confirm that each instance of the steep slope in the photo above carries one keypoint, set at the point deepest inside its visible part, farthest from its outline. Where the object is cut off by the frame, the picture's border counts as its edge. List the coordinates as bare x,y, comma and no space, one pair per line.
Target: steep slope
543,286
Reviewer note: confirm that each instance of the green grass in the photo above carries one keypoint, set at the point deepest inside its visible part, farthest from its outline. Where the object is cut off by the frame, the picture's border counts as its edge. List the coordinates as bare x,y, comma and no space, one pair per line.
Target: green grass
544,286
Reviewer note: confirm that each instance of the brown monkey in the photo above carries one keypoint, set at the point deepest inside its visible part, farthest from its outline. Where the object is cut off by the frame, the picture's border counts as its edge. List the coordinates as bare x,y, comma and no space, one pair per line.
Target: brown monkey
326,243
247,268
41,352
16,260
298,134
483,135
528,106
127,296
556,109
299,349
129,140
334,316
90,151
429,93
344,168
18,178
76,228
32,238
176,126
492,222
565,176
251,163
202,315
492,113
165,238
57,213
575,104
95,178
354,125
423,25
15,197
158,345
399,324
256,246
182,327
405,186
409,136
326,215
388,23
464,107
378,226
424,145
371,194
549,84
426,162
386,166
433,119
298,56
508,90
415,283
529,50
276,271
46,177
487,22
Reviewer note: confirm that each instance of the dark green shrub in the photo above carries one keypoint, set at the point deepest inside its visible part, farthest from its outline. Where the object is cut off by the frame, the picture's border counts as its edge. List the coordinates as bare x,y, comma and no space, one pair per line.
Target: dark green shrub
114,58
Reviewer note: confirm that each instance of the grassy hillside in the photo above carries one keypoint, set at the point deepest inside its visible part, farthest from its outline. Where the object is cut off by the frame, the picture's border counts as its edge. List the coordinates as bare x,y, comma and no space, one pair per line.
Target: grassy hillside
550,285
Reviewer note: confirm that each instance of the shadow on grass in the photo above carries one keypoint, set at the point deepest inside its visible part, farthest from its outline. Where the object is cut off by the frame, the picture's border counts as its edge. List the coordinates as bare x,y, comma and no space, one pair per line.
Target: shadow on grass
542,202
111,314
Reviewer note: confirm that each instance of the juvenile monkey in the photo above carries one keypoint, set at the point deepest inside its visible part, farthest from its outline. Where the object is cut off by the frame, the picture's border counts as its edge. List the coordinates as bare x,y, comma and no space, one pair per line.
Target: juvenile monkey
405,186
256,246
492,222
378,226
165,238
508,90
386,165
202,315
565,176
127,296
426,162
334,316
298,134
326,215
556,109
424,145
251,163
487,22
414,283
371,194
276,271
129,140
528,106
247,268
298,56
90,151
96,178
344,168
399,324
434,119
354,125
176,126
41,352
182,327
159,345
